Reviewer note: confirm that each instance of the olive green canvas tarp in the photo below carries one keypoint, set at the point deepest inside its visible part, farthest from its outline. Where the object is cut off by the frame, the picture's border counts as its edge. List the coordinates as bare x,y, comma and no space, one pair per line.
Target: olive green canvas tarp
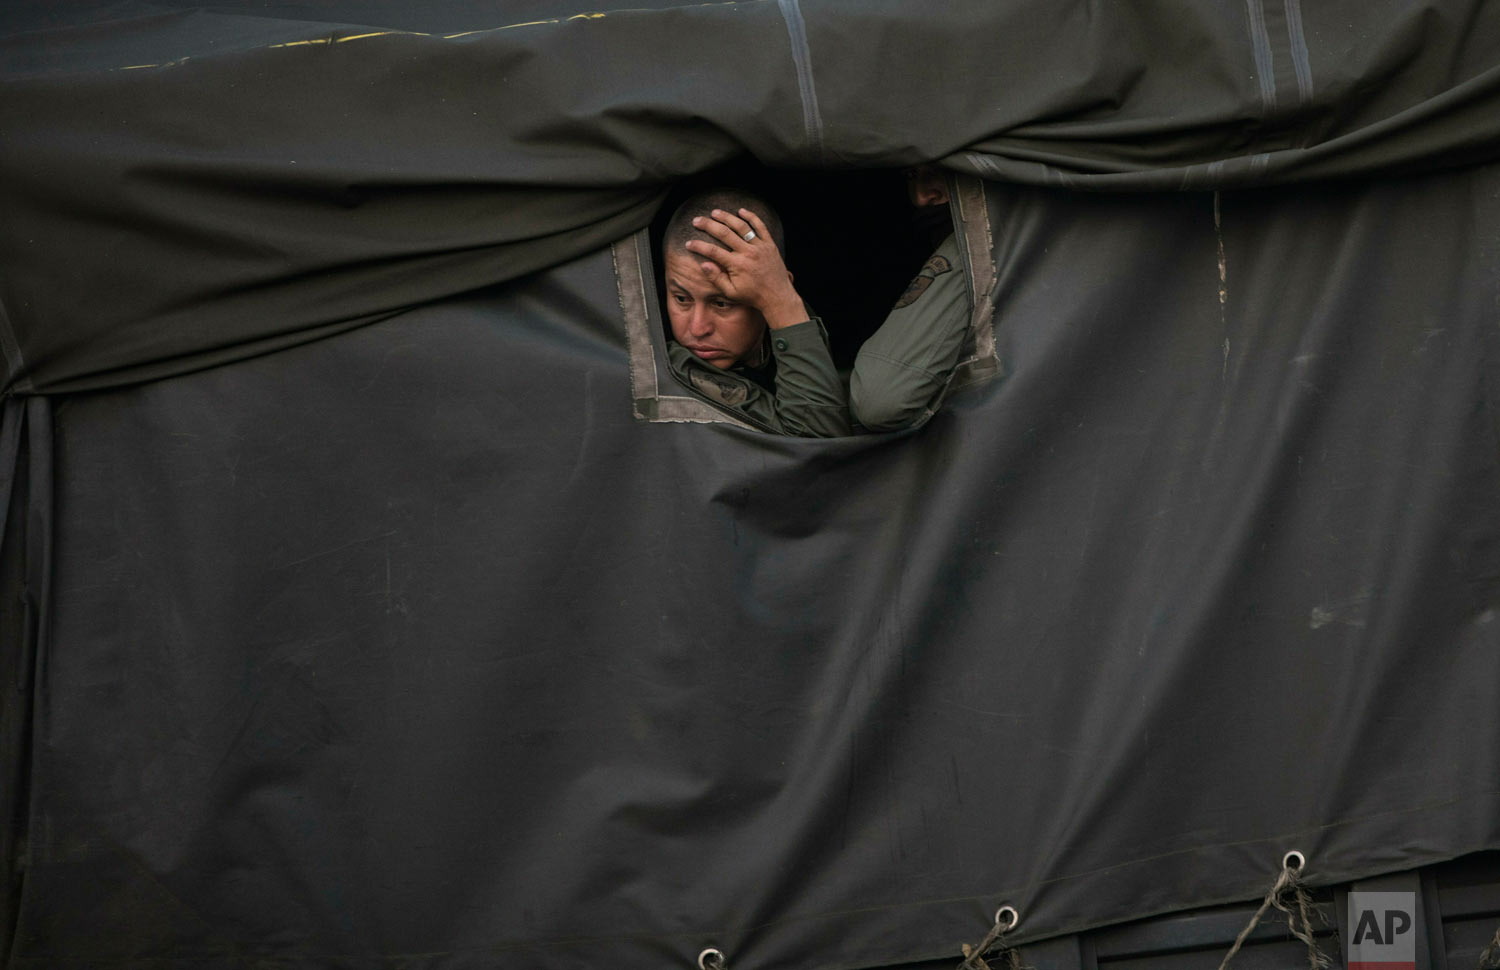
222,184
364,607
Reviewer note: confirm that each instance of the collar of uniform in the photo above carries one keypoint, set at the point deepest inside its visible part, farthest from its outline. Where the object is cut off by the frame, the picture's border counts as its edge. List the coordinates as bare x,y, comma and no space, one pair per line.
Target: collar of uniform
760,355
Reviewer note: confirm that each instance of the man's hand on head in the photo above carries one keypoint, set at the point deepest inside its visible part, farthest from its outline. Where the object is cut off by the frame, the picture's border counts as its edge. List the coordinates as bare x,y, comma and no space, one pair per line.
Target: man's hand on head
750,270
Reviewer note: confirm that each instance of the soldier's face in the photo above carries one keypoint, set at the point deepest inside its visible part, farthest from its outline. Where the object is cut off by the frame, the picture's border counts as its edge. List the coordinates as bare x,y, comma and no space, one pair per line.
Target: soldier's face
718,330
926,185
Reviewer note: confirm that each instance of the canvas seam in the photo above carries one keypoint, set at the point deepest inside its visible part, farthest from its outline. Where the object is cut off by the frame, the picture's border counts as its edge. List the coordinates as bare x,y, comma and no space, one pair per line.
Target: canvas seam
631,286
982,285
676,409
1300,61
1260,42
796,29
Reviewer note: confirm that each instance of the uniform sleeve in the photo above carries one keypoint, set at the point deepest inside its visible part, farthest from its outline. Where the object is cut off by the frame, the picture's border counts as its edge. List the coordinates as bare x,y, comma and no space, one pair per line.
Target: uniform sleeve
903,367
810,399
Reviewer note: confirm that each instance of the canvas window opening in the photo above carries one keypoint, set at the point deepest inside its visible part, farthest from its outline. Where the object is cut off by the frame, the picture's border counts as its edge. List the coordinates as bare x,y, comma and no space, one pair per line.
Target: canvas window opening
854,243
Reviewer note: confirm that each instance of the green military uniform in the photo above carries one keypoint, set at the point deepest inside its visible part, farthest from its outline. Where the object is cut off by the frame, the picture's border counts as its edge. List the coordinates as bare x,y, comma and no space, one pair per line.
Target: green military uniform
899,373
805,397
902,369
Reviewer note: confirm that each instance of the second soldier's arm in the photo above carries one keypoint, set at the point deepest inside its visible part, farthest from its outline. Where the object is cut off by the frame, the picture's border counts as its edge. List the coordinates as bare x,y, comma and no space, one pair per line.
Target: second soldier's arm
902,369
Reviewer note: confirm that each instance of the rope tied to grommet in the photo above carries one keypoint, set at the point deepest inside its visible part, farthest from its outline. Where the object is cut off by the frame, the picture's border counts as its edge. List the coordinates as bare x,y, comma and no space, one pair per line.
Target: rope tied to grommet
1489,957
1006,919
1290,897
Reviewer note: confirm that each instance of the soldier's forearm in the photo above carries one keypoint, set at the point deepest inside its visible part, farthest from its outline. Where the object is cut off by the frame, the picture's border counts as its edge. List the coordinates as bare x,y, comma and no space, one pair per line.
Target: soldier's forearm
783,309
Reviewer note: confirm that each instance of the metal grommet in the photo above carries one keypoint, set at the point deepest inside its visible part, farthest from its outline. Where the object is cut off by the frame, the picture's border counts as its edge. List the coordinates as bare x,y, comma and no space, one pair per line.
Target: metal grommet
712,958
1293,860
1006,917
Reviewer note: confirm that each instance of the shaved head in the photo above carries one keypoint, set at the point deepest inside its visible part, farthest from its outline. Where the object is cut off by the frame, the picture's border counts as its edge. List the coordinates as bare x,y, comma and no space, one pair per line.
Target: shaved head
680,227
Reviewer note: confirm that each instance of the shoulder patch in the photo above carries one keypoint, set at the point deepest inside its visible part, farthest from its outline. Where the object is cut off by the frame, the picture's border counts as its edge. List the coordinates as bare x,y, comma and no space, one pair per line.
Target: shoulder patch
931,270
725,390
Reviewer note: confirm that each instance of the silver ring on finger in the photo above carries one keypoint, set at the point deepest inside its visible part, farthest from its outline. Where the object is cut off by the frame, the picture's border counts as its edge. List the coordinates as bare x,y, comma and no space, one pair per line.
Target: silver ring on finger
750,236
